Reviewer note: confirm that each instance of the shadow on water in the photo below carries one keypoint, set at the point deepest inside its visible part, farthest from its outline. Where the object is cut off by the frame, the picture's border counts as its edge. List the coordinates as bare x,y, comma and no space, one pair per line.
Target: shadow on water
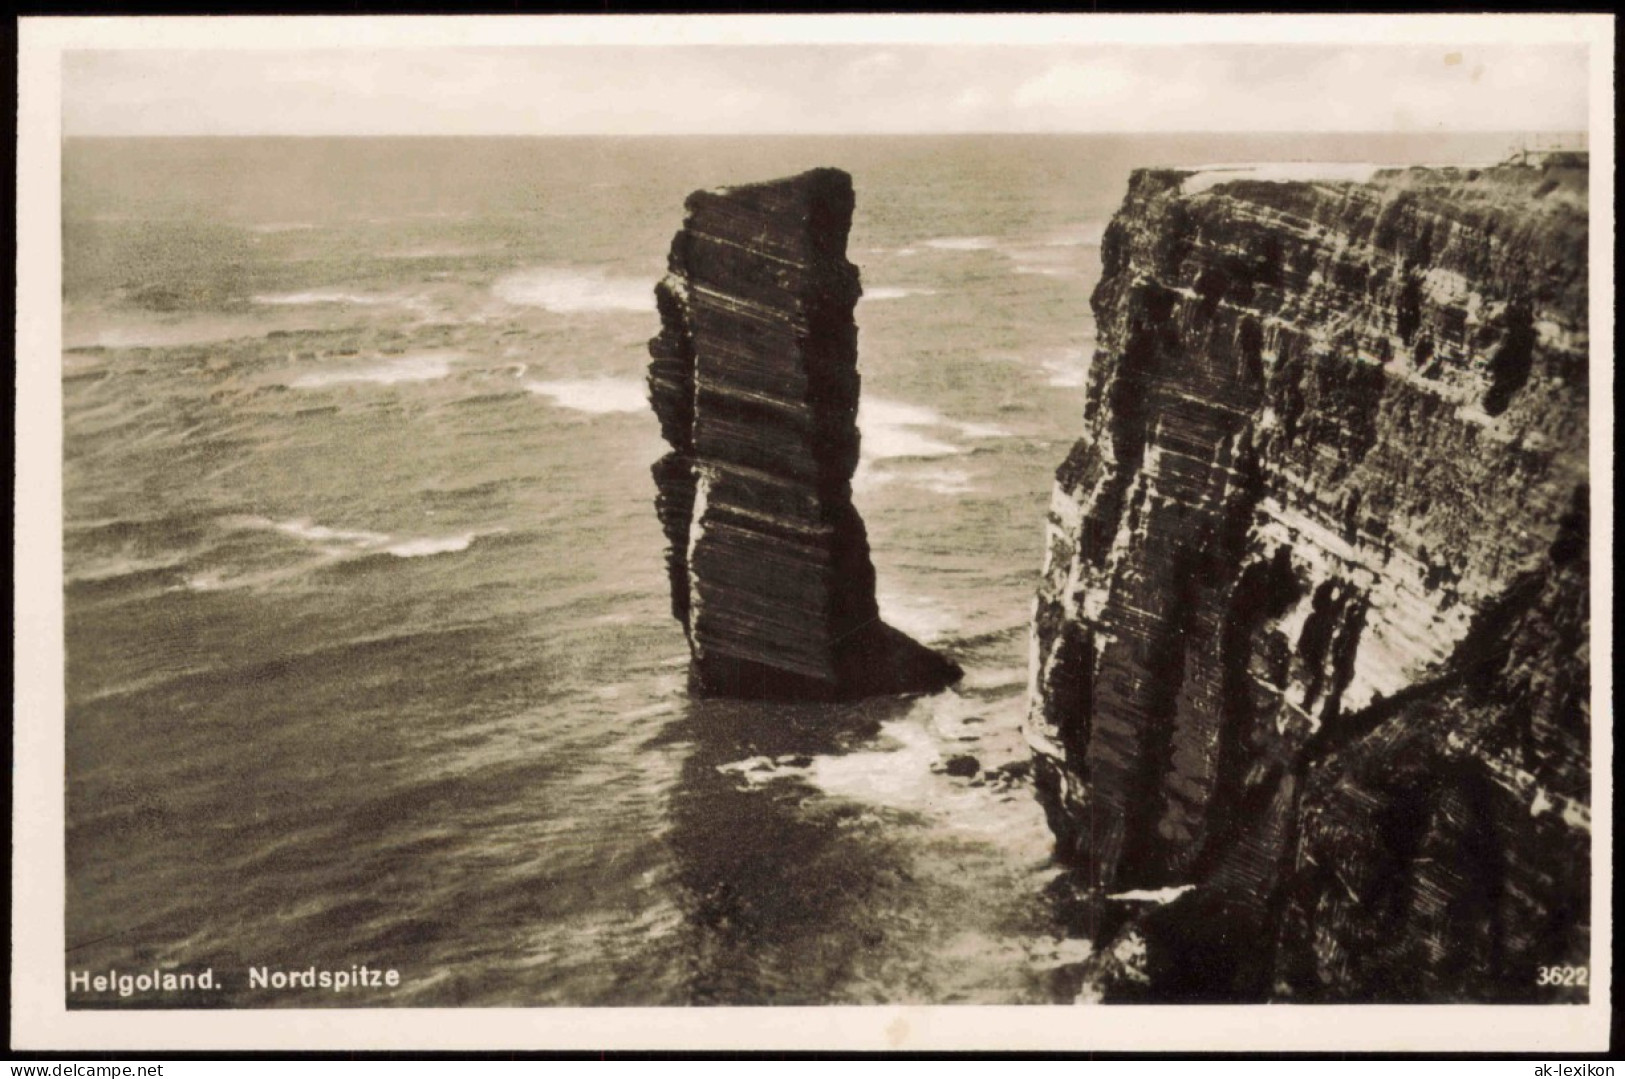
783,896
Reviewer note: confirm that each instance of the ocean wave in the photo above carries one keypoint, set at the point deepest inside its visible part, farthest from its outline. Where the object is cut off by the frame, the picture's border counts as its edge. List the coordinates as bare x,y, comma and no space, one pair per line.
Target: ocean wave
423,367
982,431
922,618
1051,255
962,243
343,541
893,430
993,678
347,300
1067,369
211,581
305,530
116,580
566,291
941,481
1082,234
315,297
886,292
890,429
118,569
269,227
420,548
172,332
1037,268
903,769
596,396
435,251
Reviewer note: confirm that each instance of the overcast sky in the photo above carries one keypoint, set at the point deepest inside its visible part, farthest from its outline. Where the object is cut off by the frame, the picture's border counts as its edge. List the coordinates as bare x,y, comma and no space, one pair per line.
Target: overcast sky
722,89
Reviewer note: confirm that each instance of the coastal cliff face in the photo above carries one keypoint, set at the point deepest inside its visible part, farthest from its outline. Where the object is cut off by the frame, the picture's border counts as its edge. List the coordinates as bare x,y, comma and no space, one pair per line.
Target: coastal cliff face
754,378
1312,630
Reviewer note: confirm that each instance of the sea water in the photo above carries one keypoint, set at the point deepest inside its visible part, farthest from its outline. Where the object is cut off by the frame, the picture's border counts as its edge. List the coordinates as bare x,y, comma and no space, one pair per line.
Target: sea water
370,658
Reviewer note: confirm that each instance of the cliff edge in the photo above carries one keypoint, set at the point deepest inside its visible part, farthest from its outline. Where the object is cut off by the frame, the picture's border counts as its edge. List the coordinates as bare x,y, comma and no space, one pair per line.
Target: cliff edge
754,378
1312,632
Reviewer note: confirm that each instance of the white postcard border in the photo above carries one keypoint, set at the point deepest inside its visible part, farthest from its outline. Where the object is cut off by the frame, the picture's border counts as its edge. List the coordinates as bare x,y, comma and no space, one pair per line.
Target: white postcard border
39,1016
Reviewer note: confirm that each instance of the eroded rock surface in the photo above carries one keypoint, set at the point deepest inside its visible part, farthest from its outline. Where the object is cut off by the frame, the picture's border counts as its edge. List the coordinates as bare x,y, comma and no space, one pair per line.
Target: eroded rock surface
754,377
1313,629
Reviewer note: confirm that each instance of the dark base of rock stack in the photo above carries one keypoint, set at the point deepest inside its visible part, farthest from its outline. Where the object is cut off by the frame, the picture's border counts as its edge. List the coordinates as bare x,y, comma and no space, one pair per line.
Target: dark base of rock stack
881,661
754,378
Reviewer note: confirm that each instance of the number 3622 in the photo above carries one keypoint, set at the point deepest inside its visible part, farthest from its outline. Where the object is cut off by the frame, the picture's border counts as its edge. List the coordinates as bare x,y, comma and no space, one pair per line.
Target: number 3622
1561,975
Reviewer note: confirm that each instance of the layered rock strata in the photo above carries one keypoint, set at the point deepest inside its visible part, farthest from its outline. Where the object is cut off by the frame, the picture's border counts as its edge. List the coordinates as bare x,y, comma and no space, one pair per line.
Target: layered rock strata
754,378
1312,632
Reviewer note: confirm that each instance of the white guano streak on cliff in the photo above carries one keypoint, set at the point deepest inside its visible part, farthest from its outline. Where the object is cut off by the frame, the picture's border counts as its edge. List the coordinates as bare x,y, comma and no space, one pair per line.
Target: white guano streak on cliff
1523,784
696,532
1205,177
1408,631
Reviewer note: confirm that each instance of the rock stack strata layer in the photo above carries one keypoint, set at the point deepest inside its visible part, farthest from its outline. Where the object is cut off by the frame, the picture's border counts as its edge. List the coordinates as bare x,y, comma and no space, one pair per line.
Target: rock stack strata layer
1312,631
754,377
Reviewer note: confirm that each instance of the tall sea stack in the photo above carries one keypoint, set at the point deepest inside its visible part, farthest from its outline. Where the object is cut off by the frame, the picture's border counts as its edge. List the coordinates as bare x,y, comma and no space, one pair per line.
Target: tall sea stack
1312,633
754,378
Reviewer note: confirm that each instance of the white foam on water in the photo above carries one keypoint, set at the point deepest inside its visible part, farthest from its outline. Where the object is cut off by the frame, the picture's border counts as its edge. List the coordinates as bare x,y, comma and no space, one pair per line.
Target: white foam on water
432,251
1069,369
920,617
962,243
569,291
1082,234
281,226
339,542
423,367
894,430
419,548
122,567
905,768
982,431
205,582
994,678
346,300
866,477
886,292
889,429
1040,267
897,773
943,481
219,581
144,338
137,331
303,528
325,296
595,396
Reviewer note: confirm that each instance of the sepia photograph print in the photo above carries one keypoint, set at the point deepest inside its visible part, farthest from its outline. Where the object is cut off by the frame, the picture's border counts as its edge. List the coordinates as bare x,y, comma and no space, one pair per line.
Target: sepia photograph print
814,533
